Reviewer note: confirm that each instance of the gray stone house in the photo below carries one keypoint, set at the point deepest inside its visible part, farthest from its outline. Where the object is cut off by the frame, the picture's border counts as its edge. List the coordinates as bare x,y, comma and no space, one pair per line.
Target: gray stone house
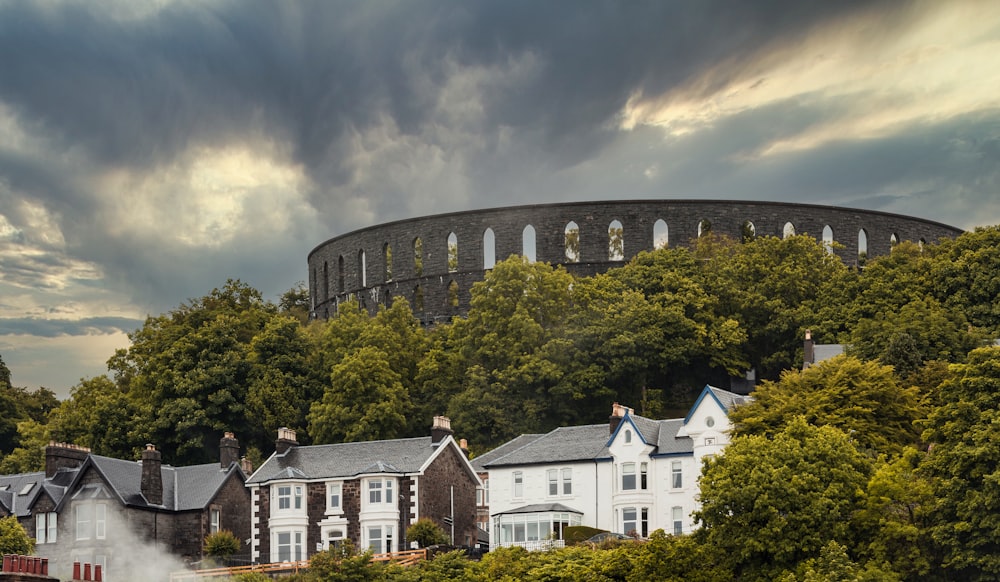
306,498
125,514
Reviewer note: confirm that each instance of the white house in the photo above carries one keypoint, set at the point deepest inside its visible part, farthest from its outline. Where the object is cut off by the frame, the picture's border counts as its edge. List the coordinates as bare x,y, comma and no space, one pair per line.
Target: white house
632,476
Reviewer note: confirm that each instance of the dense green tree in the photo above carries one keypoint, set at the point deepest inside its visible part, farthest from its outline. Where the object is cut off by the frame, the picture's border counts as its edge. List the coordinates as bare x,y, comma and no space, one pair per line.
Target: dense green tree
282,384
295,302
773,287
770,503
188,372
516,362
365,401
30,453
965,465
863,399
647,324
966,275
13,538
936,332
896,518
99,415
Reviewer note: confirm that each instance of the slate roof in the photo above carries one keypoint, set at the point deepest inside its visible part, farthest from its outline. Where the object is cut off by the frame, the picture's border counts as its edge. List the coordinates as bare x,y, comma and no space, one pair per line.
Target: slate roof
344,460
589,442
10,492
184,488
564,444
479,463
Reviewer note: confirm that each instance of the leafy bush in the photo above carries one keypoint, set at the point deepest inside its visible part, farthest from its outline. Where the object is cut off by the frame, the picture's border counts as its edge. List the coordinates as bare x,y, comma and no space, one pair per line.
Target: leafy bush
426,533
13,538
575,534
221,544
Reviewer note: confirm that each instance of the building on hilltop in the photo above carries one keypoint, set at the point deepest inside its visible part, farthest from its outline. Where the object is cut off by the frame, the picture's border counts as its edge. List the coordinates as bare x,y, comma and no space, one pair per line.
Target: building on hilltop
306,498
117,513
632,476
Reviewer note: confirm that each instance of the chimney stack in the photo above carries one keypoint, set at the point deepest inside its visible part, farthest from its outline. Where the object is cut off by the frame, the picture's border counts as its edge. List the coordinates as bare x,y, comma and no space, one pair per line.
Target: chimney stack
440,429
808,351
229,450
63,456
617,414
464,445
152,480
286,440
247,466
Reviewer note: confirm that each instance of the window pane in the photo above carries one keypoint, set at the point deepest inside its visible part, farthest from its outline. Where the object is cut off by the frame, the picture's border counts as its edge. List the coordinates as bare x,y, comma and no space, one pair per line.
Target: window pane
567,477
40,528
53,527
628,476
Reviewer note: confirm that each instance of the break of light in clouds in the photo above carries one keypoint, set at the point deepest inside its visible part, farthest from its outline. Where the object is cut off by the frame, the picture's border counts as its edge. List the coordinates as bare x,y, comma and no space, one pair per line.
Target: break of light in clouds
149,151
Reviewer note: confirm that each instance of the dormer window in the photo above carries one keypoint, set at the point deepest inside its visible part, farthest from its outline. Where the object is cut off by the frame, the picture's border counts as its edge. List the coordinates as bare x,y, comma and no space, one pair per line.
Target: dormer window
628,436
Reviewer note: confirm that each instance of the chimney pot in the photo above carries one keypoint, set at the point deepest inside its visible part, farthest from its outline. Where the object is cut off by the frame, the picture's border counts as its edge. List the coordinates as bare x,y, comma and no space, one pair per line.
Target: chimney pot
440,428
229,450
286,440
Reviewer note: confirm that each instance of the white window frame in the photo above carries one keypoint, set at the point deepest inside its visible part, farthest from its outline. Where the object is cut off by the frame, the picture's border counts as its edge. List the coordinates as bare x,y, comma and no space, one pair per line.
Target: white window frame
381,494
100,520
41,528
628,471
84,514
627,521
676,475
552,476
517,484
677,517
643,476
334,491
384,542
329,539
296,545
284,497
214,519
567,481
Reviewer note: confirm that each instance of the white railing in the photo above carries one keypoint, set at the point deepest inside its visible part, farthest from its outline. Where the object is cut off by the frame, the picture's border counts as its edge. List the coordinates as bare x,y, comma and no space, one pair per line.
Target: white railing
535,545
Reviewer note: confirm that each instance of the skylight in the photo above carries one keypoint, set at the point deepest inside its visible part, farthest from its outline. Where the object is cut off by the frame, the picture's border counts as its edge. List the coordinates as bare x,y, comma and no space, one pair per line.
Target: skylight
26,489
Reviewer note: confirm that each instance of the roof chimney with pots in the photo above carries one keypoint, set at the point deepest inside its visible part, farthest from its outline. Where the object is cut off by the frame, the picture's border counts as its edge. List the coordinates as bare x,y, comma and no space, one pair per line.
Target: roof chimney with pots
152,480
808,350
229,450
286,440
464,445
617,414
440,429
63,456
247,466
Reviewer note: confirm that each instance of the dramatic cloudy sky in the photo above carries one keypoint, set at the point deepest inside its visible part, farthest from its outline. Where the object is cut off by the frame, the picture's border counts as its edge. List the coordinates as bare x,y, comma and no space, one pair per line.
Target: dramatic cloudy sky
151,150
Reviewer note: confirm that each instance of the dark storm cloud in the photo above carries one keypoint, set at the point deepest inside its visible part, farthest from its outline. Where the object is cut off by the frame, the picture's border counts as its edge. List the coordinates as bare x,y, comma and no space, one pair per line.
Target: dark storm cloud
59,327
137,91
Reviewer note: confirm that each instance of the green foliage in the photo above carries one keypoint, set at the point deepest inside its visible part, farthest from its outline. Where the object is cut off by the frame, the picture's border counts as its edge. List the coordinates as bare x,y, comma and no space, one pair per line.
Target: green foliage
863,399
770,503
13,538
30,454
344,564
965,467
425,532
251,577
773,287
221,544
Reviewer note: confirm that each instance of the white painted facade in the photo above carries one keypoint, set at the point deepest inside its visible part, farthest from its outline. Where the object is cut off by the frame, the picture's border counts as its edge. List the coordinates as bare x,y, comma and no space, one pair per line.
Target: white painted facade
635,479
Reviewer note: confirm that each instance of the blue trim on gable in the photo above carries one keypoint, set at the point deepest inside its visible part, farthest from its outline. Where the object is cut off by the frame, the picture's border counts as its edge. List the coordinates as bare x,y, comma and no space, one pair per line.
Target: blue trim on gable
627,417
706,390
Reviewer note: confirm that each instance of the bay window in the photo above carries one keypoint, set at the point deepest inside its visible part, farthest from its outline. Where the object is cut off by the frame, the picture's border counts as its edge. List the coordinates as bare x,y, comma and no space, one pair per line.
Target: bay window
628,476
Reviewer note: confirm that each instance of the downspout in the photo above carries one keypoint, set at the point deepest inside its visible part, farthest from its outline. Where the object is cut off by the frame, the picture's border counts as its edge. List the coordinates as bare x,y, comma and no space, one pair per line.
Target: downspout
453,515
597,497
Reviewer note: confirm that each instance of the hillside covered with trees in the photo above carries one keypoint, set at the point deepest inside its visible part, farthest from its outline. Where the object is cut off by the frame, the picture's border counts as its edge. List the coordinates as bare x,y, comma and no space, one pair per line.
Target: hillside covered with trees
881,464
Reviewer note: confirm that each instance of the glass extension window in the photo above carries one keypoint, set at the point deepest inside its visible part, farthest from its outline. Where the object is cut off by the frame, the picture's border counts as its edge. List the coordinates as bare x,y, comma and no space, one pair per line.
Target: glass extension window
628,476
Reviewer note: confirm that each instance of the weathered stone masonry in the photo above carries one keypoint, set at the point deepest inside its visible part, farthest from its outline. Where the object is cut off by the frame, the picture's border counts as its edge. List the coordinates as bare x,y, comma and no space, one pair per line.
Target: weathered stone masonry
335,272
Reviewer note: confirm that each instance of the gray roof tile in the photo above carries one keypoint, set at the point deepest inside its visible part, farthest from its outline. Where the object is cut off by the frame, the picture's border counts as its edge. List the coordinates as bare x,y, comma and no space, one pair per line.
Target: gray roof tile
479,463
11,497
564,444
342,460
